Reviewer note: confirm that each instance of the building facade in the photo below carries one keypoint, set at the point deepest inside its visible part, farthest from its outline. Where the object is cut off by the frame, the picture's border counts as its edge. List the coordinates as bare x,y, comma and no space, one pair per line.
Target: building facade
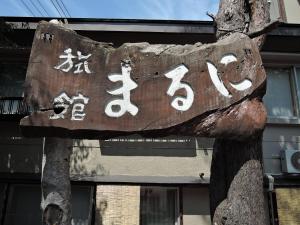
147,181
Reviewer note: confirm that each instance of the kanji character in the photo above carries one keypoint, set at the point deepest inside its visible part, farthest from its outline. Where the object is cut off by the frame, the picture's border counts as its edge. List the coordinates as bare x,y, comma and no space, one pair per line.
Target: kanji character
68,56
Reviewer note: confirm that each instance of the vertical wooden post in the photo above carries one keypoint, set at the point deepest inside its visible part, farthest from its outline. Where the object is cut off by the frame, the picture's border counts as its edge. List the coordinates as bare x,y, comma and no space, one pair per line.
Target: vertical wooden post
56,188
236,187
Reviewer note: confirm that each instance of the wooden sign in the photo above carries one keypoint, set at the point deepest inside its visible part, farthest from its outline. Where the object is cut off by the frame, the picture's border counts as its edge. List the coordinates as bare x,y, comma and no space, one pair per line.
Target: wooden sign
82,88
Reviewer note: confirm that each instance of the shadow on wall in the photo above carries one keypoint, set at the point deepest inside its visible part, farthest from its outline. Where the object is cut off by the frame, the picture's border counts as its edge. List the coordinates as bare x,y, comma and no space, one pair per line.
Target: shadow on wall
84,158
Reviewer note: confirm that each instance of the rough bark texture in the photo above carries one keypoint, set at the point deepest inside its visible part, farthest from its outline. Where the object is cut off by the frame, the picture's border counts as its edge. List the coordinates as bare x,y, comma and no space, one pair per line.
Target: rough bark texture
242,16
237,178
244,204
56,188
236,187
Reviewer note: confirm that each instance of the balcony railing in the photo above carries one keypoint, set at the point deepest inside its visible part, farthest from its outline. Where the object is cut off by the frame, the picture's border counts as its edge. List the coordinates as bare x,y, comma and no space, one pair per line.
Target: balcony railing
13,106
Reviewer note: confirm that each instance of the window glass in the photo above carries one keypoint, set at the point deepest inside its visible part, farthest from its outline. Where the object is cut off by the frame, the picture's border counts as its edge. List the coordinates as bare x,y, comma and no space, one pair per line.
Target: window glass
12,76
158,206
3,188
24,205
81,206
278,98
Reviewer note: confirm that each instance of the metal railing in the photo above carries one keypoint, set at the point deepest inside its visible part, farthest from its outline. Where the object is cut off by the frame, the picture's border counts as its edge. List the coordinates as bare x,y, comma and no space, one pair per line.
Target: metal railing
13,106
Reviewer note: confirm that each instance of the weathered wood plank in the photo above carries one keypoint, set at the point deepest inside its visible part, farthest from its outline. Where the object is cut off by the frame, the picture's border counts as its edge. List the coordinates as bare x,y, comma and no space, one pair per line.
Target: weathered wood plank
215,78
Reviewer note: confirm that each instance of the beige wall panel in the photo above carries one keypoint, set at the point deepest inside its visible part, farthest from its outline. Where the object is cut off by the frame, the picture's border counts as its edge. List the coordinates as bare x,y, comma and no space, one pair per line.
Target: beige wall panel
196,220
292,8
88,160
117,205
288,201
274,10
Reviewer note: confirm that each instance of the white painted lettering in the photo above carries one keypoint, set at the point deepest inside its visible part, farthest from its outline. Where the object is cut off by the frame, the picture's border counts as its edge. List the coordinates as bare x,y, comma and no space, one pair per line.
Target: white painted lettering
213,72
118,107
68,64
63,102
180,103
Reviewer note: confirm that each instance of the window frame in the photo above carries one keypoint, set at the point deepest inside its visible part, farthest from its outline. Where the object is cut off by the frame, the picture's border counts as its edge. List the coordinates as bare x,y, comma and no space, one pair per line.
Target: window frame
297,88
33,183
12,107
177,200
10,194
289,61
295,99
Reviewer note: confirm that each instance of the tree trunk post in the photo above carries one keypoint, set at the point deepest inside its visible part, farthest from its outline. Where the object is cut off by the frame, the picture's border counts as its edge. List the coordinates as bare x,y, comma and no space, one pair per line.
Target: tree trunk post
56,187
236,186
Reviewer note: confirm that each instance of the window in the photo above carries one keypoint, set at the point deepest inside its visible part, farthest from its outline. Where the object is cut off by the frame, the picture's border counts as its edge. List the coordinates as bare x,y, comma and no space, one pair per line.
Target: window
281,99
12,76
298,84
24,205
158,206
19,209
3,189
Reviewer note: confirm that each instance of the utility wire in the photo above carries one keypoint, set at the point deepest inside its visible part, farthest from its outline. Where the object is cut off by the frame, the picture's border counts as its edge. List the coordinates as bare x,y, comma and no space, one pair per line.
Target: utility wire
56,8
43,8
61,8
36,8
63,4
28,8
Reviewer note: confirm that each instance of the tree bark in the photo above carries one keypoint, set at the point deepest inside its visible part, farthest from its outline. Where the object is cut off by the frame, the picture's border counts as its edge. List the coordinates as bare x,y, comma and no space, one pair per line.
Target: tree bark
56,188
236,186
236,191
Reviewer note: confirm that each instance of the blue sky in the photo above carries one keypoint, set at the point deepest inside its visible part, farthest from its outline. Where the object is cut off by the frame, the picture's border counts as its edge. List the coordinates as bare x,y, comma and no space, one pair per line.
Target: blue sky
122,9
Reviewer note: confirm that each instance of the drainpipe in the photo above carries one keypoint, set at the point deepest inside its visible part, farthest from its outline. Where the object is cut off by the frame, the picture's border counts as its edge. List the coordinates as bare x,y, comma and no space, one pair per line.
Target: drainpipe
271,183
270,191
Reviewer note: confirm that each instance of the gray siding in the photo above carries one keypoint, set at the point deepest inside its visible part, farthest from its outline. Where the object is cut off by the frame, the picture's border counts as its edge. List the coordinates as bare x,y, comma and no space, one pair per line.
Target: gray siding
277,138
